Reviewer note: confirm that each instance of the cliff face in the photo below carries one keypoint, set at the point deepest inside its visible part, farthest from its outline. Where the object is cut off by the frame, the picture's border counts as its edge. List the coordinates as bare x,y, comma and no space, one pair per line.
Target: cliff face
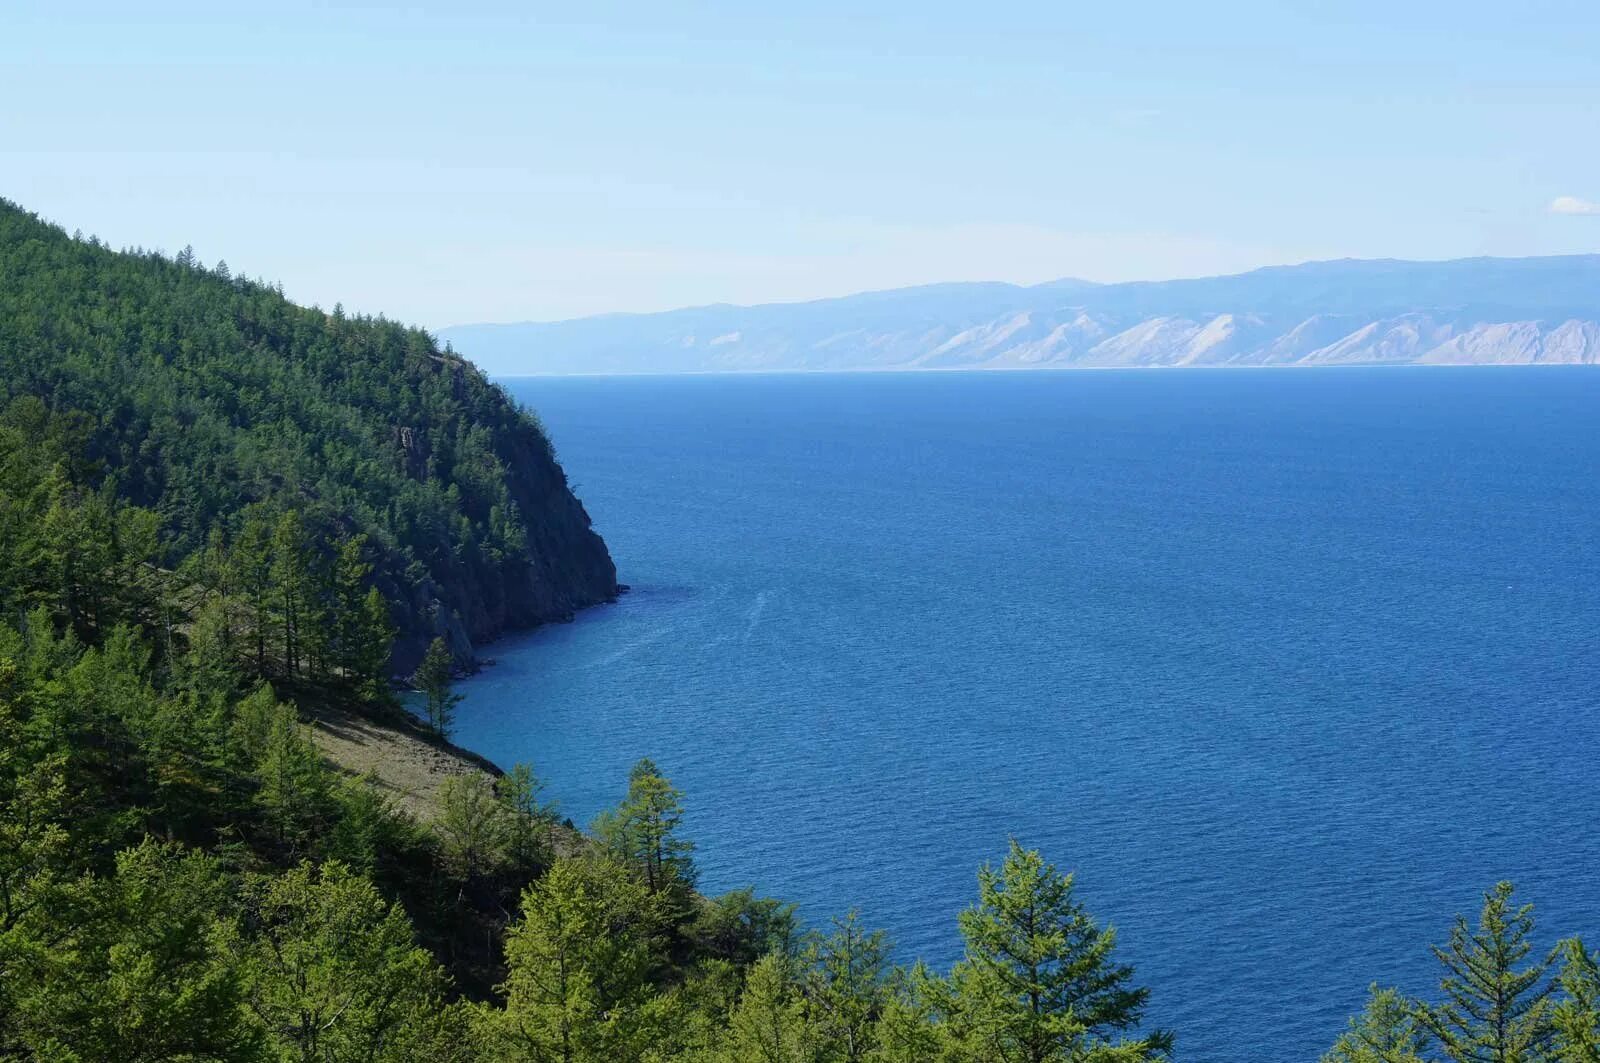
213,400
564,566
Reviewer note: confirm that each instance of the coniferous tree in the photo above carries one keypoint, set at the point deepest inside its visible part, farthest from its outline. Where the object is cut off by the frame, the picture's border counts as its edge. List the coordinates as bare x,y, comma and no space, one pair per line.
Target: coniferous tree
579,962
1494,1011
471,825
529,822
432,677
350,571
135,969
1387,1031
295,785
332,970
844,983
908,1028
374,635
1576,1017
1039,982
252,572
643,831
290,586
772,1021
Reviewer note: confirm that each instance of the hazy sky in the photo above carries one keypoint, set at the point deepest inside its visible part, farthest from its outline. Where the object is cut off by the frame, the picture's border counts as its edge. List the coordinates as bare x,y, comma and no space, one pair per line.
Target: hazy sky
472,161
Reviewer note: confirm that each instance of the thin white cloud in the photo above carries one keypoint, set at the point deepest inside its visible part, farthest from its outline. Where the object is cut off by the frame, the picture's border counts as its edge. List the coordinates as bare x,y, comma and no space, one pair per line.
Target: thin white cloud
1573,205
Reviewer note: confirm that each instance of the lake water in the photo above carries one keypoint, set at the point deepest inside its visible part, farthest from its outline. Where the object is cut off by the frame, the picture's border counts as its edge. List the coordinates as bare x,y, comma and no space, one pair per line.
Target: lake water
1288,665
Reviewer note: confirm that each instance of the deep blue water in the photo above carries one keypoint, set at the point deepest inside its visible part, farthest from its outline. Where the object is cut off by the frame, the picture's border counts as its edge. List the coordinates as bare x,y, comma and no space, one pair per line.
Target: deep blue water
1288,665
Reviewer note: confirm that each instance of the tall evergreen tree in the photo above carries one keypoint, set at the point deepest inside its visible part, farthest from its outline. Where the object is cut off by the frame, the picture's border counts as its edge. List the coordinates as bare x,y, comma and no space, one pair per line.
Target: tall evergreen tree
643,831
1496,1009
332,970
1039,983
772,1021
369,656
291,586
844,982
579,963
252,572
432,677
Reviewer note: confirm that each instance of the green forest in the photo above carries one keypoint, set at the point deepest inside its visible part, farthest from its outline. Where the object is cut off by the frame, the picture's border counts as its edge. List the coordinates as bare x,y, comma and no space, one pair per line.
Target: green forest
212,402
221,513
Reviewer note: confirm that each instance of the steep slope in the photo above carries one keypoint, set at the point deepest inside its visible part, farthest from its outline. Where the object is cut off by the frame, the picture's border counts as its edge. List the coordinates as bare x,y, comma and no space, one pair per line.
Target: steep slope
1469,311
206,395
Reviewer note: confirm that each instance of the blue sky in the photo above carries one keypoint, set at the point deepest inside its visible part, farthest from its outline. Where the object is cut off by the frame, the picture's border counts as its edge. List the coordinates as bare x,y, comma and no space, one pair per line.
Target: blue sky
447,163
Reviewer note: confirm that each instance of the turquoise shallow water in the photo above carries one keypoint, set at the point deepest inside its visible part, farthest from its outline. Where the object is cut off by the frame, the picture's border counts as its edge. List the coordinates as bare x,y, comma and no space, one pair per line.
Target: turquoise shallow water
1288,665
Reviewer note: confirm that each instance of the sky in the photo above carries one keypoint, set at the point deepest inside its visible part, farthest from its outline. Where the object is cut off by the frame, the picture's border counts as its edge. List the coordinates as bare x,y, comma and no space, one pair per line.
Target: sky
502,161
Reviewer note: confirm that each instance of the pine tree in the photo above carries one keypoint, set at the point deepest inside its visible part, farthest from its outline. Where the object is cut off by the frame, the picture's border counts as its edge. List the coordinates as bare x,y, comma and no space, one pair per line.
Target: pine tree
374,635
1038,983
1493,1012
771,1023
579,962
1577,1017
432,677
642,832
290,580
332,970
1386,1032
844,982
471,826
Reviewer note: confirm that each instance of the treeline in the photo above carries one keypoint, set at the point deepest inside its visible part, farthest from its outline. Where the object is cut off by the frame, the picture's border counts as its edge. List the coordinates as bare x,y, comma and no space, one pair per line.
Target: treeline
192,395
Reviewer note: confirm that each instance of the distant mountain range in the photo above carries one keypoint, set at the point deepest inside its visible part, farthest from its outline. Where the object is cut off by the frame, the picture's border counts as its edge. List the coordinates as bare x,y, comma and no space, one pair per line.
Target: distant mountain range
1348,312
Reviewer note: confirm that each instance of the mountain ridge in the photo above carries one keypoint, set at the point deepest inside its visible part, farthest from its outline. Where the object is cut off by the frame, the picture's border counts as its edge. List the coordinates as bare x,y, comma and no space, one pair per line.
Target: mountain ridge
1479,310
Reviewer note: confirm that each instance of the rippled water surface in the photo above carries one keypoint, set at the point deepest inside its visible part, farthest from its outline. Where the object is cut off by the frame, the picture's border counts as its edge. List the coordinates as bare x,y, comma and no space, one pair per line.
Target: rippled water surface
1288,665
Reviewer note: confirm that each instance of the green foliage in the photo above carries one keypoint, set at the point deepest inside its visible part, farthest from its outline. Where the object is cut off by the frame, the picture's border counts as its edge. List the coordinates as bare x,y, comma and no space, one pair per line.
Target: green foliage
1494,1011
643,832
1576,1018
580,963
1386,1032
772,1023
844,972
332,969
433,679
530,823
133,967
1039,982
179,398
472,826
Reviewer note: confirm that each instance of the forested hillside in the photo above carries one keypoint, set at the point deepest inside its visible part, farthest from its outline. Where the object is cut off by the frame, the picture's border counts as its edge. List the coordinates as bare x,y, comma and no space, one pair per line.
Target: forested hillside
213,402
184,877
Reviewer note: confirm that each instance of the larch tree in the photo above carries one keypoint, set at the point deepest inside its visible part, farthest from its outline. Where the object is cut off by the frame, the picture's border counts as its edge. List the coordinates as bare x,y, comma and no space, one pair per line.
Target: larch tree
1039,982
643,831
432,677
1386,1031
844,981
1577,1017
332,969
579,962
772,1021
1497,1007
